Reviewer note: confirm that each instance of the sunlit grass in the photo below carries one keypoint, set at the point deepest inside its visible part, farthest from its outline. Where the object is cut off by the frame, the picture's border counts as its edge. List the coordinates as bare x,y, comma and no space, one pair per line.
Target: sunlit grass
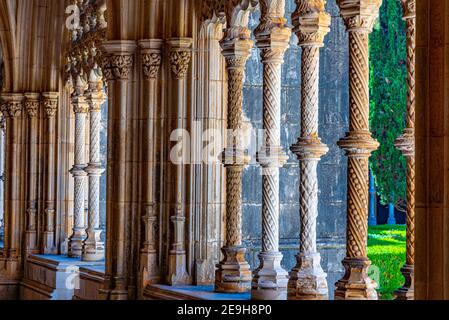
386,249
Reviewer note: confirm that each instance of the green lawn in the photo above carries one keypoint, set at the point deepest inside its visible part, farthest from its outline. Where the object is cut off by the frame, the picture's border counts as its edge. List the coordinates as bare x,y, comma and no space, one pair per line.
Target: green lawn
386,249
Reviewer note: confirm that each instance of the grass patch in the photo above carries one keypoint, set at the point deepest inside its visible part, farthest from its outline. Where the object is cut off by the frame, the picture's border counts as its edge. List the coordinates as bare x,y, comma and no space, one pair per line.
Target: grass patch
386,250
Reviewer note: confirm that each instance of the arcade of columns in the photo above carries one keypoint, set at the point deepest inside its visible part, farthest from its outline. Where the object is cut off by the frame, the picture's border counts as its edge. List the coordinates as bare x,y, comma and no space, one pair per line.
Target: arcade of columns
146,79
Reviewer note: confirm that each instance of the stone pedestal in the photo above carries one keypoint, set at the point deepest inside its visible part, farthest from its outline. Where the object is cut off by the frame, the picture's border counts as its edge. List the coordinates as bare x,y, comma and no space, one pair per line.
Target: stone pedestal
270,280
233,273
355,284
307,279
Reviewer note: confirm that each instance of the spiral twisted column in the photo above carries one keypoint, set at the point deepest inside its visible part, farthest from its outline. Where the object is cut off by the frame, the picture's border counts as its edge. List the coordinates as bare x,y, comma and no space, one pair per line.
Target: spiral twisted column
406,144
80,108
359,17
50,103
32,104
151,53
307,279
93,247
270,280
233,273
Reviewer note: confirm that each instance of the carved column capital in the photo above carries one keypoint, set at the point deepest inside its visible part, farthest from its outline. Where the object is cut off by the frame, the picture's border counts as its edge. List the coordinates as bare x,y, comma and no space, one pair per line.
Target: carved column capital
151,51
13,106
50,100
32,104
118,61
409,9
180,56
236,51
311,22
359,15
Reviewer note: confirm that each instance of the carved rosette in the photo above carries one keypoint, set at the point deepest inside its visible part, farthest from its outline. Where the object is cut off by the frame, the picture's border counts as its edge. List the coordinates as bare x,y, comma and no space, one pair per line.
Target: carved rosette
406,144
272,38
359,17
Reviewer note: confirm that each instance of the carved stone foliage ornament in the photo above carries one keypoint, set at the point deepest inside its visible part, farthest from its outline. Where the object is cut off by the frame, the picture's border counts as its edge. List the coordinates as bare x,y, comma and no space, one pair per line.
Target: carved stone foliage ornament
151,63
359,14
121,66
179,62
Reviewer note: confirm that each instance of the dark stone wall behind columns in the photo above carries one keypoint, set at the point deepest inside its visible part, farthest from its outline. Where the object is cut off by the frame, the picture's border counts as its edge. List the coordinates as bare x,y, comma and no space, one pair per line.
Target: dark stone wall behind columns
334,102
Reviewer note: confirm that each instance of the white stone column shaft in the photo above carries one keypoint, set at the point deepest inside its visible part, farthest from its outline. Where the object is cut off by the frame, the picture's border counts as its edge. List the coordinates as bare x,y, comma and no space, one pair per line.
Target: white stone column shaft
80,107
270,279
93,247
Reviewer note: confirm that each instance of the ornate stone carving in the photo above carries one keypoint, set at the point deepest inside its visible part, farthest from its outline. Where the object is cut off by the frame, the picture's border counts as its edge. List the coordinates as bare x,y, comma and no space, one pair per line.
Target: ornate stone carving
151,64
307,279
151,51
32,106
272,35
406,144
359,17
93,247
180,61
50,102
233,272
80,107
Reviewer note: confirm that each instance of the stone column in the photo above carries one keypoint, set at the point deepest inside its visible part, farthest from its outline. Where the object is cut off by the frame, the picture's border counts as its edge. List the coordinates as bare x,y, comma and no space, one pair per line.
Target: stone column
180,56
12,108
50,103
32,104
93,247
359,17
151,52
270,280
118,66
406,144
80,108
307,279
2,176
233,273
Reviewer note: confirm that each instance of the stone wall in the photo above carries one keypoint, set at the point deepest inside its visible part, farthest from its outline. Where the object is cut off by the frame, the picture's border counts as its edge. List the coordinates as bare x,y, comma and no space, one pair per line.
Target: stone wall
334,102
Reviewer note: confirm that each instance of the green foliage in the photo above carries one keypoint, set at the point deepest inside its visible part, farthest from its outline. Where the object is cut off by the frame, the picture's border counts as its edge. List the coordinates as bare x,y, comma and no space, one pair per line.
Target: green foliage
386,250
388,95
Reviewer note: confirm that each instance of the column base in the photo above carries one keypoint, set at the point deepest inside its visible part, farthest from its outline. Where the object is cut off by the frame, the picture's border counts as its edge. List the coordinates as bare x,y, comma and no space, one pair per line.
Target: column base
49,247
31,240
407,292
355,284
270,280
177,273
75,246
307,279
93,252
233,274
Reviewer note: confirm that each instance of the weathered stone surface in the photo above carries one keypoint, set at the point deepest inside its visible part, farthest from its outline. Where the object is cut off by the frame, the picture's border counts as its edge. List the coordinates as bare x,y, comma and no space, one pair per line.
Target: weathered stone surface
334,102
